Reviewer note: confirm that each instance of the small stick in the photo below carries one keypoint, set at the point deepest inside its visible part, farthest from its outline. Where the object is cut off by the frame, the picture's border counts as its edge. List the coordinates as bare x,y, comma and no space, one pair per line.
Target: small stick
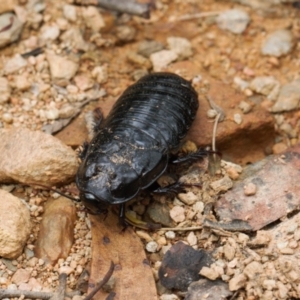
34,52
125,6
219,118
101,283
181,229
58,295
61,290
235,294
130,7
215,132
204,14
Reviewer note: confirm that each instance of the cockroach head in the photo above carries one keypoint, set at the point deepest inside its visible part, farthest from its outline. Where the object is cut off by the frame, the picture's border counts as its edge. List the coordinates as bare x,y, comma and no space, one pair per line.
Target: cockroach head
102,182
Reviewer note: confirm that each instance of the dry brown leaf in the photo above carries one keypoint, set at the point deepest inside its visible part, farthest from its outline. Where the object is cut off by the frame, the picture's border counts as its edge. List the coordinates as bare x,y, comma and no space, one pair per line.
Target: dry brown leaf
133,275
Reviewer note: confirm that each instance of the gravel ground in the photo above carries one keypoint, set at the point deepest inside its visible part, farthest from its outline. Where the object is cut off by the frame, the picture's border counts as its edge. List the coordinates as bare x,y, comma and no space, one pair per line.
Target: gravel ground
85,57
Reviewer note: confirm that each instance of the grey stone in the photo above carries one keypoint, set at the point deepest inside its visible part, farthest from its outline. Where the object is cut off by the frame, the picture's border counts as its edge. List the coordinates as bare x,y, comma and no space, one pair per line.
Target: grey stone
278,43
233,20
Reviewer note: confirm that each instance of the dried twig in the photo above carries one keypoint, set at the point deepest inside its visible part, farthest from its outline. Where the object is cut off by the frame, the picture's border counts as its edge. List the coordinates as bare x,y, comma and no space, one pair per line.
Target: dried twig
235,294
181,229
61,290
129,7
101,283
125,6
203,14
58,295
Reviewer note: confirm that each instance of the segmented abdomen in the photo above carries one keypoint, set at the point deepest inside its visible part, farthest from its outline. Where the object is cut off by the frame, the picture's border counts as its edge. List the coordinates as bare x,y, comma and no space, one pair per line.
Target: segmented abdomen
160,105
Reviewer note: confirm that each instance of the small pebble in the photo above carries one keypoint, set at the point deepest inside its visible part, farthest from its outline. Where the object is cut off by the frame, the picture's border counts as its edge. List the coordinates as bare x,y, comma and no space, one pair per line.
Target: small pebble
168,297
245,107
209,273
100,73
229,252
198,207
287,251
211,113
279,148
69,12
192,239
233,20
222,185
250,189
238,118
144,235
3,280
232,173
7,118
288,98
170,235
14,64
177,214
263,84
146,48
49,33
21,276
239,82
152,247
237,282
93,18
181,46
126,33
66,269
188,198
52,114
278,43
253,270
162,59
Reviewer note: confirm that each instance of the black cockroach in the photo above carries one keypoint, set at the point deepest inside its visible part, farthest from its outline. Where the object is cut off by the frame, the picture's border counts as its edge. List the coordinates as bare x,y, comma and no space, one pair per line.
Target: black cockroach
131,148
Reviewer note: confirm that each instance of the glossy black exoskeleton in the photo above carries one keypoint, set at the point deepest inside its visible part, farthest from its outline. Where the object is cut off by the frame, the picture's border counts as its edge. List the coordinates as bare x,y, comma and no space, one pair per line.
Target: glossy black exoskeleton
130,150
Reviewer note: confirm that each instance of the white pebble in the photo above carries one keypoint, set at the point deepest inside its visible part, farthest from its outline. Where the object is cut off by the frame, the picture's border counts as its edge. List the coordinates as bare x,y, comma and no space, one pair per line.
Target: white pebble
278,43
192,239
162,58
170,235
177,214
49,33
188,198
151,247
69,12
211,113
181,46
14,64
168,297
238,118
240,83
3,280
198,207
245,107
52,114
7,118
234,20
